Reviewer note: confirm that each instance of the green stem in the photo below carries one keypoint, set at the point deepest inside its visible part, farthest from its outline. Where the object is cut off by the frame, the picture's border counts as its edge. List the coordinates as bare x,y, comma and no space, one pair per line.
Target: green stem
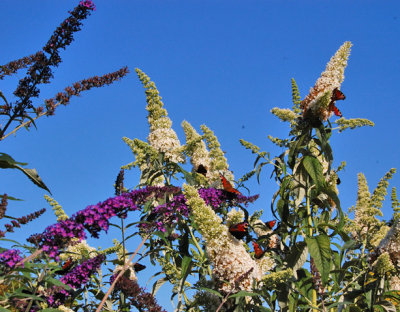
310,233
199,249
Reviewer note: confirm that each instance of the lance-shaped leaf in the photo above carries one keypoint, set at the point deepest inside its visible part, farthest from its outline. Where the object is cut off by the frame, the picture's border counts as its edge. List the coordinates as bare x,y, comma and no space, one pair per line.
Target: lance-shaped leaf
314,169
7,162
320,250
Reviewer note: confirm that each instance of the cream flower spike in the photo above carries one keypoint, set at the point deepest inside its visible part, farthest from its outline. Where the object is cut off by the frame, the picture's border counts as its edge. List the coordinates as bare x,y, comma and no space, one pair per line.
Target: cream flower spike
231,261
196,149
317,101
162,137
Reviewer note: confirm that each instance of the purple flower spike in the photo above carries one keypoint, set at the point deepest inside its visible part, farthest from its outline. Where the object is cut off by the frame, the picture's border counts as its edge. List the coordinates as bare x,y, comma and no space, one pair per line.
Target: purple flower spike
80,274
10,258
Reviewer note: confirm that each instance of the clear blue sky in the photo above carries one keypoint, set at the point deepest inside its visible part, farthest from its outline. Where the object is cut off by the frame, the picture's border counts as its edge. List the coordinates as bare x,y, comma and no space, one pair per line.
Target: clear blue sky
222,63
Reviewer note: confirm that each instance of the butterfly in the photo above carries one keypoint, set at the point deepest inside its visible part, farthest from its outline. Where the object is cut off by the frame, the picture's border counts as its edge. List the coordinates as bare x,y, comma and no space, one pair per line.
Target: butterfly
336,95
239,230
138,267
202,170
228,186
66,267
270,224
258,251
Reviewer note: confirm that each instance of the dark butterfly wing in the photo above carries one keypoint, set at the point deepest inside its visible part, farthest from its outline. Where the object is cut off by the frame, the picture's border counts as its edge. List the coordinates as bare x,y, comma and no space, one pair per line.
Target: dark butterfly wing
270,224
228,186
67,266
138,267
258,252
337,111
337,95
239,230
202,170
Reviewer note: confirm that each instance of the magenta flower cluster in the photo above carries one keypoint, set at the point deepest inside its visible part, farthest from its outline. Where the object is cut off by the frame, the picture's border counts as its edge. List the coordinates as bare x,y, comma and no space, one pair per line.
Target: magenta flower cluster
168,213
81,273
95,218
88,4
55,237
10,258
77,278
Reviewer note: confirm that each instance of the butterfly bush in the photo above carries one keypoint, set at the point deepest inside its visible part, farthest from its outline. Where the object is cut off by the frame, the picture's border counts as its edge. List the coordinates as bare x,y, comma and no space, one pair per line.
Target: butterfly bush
228,254
317,101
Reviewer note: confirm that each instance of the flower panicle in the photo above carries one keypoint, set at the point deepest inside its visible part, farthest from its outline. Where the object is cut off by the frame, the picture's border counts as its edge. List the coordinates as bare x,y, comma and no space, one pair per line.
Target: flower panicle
136,295
317,102
3,206
353,123
40,71
380,192
13,66
77,88
10,258
58,210
296,99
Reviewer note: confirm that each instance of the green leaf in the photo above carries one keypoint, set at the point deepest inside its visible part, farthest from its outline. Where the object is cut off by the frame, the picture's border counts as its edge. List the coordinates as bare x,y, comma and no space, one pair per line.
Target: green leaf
243,293
185,266
212,291
320,250
298,256
11,198
4,310
314,169
7,162
158,284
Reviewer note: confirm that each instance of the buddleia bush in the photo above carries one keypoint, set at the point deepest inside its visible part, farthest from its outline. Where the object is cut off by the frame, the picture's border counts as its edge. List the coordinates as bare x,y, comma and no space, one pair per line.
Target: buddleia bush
193,217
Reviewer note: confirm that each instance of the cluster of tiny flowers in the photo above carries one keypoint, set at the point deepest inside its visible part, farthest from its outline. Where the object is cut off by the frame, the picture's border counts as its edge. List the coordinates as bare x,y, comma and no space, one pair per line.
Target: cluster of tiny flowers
3,206
216,197
13,66
162,137
89,4
195,147
136,295
40,71
77,251
95,218
391,244
80,274
24,220
218,162
10,258
176,207
57,236
78,87
318,99
232,263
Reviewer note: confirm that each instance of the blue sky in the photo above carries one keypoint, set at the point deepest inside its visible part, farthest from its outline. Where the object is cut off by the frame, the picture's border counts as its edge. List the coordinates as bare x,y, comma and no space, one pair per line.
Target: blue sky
221,63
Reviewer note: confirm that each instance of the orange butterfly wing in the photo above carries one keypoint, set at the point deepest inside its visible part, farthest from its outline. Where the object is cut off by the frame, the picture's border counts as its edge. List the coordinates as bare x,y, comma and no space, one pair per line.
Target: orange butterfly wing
239,230
258,252
228,186
270,224
338,95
